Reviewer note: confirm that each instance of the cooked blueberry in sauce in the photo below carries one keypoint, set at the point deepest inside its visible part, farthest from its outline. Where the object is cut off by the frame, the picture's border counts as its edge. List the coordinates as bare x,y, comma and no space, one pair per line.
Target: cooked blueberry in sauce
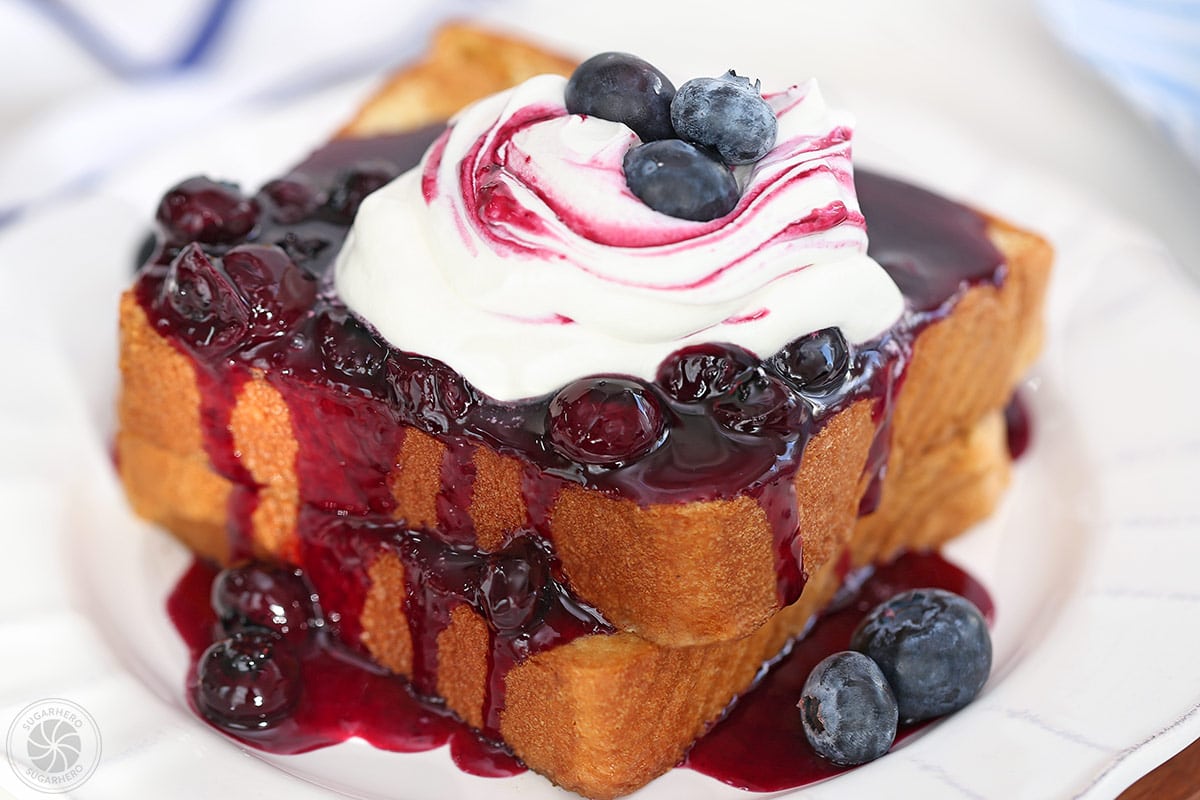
289,200
848,710
349,348
269,597
703,370
203,296
623,88
511,590
680,180
202,210
727,114
250,680
605,420
353,185
430,395
276,291
759,402
814,363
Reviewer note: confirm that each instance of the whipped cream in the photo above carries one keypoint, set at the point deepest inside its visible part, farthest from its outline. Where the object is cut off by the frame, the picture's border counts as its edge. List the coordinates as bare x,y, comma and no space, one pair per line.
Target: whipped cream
516,254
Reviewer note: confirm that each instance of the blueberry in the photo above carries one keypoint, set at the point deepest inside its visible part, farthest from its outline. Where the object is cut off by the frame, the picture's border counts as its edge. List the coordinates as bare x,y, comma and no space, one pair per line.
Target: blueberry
681,180
703,370
248,681
348,348
276,291
934,648
847,709
759,403
304,250
815,363
353,186
268,597
203,210
727,114
203,296
430,395
605,421
291,199
623,88
511,590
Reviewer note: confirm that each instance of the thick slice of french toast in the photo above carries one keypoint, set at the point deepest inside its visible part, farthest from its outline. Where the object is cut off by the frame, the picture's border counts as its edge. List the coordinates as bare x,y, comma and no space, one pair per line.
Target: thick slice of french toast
676,574
691,588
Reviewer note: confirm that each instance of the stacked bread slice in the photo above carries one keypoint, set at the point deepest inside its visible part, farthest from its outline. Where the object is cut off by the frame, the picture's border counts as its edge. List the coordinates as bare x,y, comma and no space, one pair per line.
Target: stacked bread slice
688,591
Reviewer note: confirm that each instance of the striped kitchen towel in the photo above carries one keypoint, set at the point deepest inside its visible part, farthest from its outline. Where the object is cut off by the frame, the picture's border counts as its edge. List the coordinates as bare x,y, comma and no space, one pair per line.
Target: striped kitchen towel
1149,50
92,84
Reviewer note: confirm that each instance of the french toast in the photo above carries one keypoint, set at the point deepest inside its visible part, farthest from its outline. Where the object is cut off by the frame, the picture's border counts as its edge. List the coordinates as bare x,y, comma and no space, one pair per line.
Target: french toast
688,595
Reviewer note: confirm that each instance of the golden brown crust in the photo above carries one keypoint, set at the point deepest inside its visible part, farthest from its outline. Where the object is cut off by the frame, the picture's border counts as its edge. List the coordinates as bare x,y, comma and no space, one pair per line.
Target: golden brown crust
577,713
463,63
385,627
160,454
496,507
261,425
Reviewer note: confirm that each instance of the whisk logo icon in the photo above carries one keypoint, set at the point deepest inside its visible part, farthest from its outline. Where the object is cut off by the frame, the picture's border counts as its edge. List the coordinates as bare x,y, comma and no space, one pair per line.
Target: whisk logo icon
53,745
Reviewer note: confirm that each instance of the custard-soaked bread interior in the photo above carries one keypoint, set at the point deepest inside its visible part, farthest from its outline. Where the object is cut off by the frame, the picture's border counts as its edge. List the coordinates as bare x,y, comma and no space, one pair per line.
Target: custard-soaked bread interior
690,589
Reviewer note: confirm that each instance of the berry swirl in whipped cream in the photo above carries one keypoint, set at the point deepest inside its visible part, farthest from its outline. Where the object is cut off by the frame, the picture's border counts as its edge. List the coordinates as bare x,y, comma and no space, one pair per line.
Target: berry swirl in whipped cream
516,253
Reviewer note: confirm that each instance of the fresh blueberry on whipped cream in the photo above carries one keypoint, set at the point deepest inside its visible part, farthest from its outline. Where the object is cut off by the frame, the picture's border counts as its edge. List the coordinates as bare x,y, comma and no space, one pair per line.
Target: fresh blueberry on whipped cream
517,253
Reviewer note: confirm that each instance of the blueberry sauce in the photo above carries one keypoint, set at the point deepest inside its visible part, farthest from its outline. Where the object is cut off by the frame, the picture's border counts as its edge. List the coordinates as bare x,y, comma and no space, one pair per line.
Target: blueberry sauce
759,745
256,296
351,396
1018,426
931,247
386,713
518,590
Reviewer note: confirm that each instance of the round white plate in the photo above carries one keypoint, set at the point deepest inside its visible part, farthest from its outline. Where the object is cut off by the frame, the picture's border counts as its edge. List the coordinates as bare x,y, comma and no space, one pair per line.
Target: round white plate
1090,559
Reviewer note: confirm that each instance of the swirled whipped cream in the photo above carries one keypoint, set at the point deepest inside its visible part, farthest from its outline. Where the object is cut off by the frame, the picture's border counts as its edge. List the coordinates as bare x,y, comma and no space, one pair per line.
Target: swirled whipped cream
516,253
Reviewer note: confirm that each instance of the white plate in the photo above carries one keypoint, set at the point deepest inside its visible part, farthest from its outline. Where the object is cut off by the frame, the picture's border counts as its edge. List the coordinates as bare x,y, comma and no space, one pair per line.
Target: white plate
1090,559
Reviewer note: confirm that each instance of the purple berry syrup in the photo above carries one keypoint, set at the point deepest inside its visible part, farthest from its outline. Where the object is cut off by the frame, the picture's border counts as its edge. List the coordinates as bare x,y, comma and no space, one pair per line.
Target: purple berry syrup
759,745
233,306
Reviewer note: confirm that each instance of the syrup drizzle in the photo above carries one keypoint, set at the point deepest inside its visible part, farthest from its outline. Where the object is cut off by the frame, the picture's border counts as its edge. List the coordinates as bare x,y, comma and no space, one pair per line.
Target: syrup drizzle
349,436
349,423
759,745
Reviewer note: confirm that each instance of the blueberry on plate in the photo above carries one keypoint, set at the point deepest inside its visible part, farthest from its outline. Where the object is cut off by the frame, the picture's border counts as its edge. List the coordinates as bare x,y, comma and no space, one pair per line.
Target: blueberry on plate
620,87
727,114
268,597
848,710
250,680
934,648
680,180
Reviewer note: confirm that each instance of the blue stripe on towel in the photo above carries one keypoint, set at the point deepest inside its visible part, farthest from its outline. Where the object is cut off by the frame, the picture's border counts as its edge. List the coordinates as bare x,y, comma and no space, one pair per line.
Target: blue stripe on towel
113,58
1149,50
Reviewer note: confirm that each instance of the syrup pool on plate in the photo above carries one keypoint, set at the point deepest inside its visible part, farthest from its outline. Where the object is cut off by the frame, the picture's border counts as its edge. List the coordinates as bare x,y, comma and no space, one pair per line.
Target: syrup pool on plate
759,746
